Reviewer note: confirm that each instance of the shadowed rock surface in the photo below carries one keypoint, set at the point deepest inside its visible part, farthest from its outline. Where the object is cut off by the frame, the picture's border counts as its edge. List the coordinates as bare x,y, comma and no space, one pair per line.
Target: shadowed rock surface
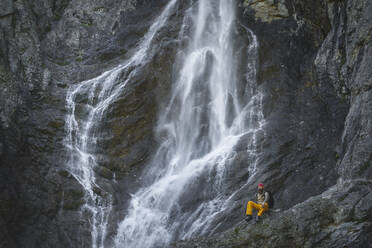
315,60
45,47
313,66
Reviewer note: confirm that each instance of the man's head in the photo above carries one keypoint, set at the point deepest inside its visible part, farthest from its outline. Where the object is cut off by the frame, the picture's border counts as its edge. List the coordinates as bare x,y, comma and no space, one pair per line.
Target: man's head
260,187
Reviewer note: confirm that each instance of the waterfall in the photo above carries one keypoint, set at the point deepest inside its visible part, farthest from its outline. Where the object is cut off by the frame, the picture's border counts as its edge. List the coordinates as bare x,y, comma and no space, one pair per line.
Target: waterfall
86,105
214,107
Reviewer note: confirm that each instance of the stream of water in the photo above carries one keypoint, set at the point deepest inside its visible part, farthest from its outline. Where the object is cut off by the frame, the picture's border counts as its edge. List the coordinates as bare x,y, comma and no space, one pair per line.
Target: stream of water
86,106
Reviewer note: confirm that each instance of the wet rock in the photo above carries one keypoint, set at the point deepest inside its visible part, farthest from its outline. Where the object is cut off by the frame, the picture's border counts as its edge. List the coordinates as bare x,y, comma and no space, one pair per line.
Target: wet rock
103,172
267,10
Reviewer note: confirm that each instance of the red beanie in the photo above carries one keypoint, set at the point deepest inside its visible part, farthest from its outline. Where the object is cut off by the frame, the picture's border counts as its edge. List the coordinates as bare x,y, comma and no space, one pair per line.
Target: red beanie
260,185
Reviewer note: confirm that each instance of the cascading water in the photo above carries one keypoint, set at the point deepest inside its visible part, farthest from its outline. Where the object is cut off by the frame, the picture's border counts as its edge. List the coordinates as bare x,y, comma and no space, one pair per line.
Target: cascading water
86,105
212,109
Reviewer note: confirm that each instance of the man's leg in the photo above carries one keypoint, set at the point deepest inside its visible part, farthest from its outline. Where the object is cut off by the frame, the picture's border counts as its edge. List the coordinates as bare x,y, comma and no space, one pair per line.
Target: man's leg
250,206
262,209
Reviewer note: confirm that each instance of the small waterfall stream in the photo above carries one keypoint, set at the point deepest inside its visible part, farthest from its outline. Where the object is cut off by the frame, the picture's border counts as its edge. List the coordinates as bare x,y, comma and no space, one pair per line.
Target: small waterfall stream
86,106
214,106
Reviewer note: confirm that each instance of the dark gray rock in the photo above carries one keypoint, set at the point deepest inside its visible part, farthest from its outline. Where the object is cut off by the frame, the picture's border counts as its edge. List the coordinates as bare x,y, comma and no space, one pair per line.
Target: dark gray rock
314,70
344,60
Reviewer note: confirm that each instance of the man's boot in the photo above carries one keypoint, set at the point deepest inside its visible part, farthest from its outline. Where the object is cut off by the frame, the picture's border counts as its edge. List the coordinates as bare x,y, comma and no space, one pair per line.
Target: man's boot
249,217
257,219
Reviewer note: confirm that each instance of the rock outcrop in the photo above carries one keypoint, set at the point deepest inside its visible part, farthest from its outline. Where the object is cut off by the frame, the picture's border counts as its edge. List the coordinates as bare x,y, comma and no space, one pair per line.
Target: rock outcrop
339,217
267,11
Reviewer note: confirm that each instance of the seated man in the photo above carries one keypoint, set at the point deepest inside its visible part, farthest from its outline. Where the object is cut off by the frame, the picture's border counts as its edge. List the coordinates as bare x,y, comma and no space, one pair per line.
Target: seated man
262,204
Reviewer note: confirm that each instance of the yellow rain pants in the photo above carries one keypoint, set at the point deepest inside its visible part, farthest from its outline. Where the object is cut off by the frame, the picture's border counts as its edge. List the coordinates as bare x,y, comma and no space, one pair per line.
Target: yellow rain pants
252,205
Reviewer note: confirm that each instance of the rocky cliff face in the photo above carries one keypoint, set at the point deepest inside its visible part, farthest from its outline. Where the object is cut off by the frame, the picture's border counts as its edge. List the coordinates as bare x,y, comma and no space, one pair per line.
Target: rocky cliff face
314,70
314,67
45,47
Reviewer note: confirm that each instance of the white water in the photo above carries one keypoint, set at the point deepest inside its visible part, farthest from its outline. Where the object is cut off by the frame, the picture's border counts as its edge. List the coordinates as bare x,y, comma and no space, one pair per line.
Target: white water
212,108
86,104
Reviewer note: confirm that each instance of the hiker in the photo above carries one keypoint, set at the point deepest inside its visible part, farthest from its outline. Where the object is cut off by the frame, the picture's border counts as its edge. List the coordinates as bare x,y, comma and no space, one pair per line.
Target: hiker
262,204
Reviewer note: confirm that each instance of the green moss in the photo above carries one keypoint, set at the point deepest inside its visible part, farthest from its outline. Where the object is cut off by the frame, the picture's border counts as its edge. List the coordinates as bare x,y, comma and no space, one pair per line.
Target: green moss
271,72
267,11
308,84
61,62
61,85
56,124
57,17
135,163
87,24
99,9
123,51
136,131
74,194
112,54
122,153
58,195
48,29
73,205
104,172
64,173
79,59
98,191
107,56
120,175
236,231
79,56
